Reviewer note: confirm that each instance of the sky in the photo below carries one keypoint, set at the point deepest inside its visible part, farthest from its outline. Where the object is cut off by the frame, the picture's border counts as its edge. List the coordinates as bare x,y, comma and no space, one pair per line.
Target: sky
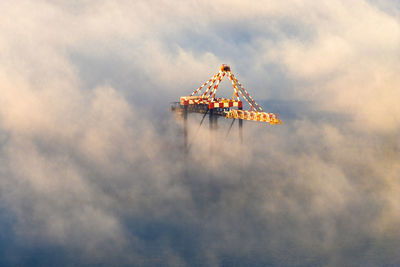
92,169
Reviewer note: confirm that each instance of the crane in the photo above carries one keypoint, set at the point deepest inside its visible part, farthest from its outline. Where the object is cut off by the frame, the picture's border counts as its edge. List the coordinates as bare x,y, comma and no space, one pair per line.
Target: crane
203,100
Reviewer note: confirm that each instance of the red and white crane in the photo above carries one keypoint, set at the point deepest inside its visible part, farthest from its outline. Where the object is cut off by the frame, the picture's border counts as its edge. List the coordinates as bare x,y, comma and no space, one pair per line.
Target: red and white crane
204,99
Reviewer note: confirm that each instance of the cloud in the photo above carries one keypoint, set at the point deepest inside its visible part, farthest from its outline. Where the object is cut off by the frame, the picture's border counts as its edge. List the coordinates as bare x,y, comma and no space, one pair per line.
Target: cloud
92,166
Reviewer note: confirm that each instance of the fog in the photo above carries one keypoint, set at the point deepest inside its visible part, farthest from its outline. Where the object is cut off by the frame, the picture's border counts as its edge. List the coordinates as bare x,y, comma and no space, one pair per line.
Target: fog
92,168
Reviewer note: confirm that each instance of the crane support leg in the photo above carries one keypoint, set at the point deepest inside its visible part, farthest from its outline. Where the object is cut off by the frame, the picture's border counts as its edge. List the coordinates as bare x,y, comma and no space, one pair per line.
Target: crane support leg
230,127
211,122
185,129
241,128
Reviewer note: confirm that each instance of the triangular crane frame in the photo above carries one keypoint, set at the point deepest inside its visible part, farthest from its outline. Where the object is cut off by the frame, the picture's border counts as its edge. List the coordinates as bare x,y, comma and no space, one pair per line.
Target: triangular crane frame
207,97
237,88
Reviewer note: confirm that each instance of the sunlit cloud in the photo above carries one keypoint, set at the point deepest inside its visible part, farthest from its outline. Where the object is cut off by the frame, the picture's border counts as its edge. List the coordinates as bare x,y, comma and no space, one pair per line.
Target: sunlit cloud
92,162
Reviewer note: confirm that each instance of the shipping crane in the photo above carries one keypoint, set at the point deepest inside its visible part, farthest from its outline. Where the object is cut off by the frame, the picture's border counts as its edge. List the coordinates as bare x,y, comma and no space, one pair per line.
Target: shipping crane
204,100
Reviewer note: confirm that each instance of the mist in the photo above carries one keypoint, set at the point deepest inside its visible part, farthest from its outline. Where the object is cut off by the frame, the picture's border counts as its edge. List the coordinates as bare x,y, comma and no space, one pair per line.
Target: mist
92,166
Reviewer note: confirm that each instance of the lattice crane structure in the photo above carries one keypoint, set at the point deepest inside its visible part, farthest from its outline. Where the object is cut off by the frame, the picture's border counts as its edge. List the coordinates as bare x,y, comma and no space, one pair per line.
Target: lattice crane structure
204,100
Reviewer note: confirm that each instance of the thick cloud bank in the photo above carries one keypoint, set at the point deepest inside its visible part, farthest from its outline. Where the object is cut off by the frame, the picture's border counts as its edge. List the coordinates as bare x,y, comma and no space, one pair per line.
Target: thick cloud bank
92,169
